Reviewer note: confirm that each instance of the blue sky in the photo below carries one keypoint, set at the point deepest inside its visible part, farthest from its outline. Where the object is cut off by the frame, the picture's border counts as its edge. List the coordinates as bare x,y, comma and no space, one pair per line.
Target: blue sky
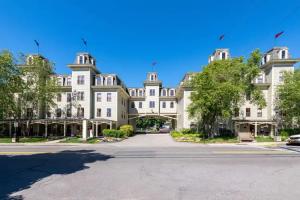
127,36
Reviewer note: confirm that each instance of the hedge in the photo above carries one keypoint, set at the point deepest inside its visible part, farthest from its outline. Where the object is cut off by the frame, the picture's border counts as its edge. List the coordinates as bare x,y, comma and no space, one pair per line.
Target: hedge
127,129
114,133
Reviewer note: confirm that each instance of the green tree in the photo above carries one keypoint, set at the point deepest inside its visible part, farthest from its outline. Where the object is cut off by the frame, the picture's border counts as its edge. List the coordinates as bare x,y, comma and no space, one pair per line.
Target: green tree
11,83
220,89
288,104
40,87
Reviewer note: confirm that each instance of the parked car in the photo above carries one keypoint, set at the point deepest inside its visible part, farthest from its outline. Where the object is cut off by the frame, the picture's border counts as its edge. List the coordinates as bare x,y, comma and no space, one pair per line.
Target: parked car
294,139
164,129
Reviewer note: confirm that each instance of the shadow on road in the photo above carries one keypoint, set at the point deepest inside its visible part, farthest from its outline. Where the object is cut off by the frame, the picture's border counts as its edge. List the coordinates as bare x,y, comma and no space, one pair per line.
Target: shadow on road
20,172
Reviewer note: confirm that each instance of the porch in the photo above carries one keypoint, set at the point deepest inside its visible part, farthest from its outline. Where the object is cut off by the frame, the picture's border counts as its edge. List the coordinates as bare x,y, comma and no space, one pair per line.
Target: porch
248,130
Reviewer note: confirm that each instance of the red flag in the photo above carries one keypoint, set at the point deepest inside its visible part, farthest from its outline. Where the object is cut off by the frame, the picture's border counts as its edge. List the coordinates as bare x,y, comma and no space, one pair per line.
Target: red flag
279,34
221,37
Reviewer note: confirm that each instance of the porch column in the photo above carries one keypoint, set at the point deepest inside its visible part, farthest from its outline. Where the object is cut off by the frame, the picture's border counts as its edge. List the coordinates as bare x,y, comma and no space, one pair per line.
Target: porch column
84,129
255,129
96,129
272,131
10,129
93,130
46,129
65,128
110,124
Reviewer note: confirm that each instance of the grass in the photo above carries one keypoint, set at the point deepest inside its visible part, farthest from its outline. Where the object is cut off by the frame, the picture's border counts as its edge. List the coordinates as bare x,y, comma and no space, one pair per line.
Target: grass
197,138
79,140
24,139
264,139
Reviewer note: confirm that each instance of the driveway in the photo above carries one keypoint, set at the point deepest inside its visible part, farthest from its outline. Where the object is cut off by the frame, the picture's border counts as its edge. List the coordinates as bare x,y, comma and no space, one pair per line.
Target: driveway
152,140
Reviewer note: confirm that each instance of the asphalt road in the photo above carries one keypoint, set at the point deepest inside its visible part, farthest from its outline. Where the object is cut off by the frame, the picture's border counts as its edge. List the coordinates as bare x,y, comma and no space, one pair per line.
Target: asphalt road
148,167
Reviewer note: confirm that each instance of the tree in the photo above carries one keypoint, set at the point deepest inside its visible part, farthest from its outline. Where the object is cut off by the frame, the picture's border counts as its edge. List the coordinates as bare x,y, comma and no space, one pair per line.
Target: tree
220,89
288,102
40,88
11,83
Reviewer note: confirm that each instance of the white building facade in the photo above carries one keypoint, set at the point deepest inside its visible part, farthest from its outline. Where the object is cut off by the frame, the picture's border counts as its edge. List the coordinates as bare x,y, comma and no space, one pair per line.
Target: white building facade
90,101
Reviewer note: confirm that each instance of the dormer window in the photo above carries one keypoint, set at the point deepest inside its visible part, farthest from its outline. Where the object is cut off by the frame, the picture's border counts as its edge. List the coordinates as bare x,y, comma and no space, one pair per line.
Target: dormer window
109,81
171,92
265,59
152,77
30,60
140,93
164,93
283,54
132,93
223,55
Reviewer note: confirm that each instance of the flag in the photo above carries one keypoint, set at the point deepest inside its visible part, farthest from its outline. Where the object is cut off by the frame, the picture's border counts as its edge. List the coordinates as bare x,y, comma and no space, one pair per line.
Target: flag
37,43
278,34
84,41
222,37
154,63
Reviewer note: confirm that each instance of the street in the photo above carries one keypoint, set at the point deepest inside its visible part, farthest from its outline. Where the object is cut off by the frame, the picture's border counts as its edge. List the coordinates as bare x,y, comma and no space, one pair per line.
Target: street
148,167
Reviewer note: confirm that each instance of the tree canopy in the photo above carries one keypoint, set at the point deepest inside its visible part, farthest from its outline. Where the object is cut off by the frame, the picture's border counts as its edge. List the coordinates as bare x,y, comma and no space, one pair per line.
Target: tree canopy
288,103
220,89
10,84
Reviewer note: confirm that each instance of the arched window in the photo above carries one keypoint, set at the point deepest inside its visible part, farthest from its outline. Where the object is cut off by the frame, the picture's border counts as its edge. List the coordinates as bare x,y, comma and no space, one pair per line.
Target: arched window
171,92
164,93
132,93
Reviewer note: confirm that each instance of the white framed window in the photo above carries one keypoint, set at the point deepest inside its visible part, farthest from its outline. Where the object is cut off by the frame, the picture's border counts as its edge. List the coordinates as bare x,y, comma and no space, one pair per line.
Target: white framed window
58,112
259,112
80,96
80,59
69,97
163,104
172,104
223,55
80,112
109,81
108,99
283,54
172,93
140,93
140,104
98,112
108,112
152,92
58,97
164,93
151,104
132,92
280,77
80,80
69,111
248,112
69,81
99,97
260,78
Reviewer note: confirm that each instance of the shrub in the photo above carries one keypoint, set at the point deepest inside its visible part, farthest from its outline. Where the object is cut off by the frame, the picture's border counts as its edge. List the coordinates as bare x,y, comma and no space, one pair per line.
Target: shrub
113,133
127,129
176,134
284,135
188,131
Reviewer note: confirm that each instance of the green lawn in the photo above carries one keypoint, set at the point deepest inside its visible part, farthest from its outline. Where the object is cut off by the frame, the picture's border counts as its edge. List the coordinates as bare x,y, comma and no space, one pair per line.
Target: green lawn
24,139
197,138
264,139
79,140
